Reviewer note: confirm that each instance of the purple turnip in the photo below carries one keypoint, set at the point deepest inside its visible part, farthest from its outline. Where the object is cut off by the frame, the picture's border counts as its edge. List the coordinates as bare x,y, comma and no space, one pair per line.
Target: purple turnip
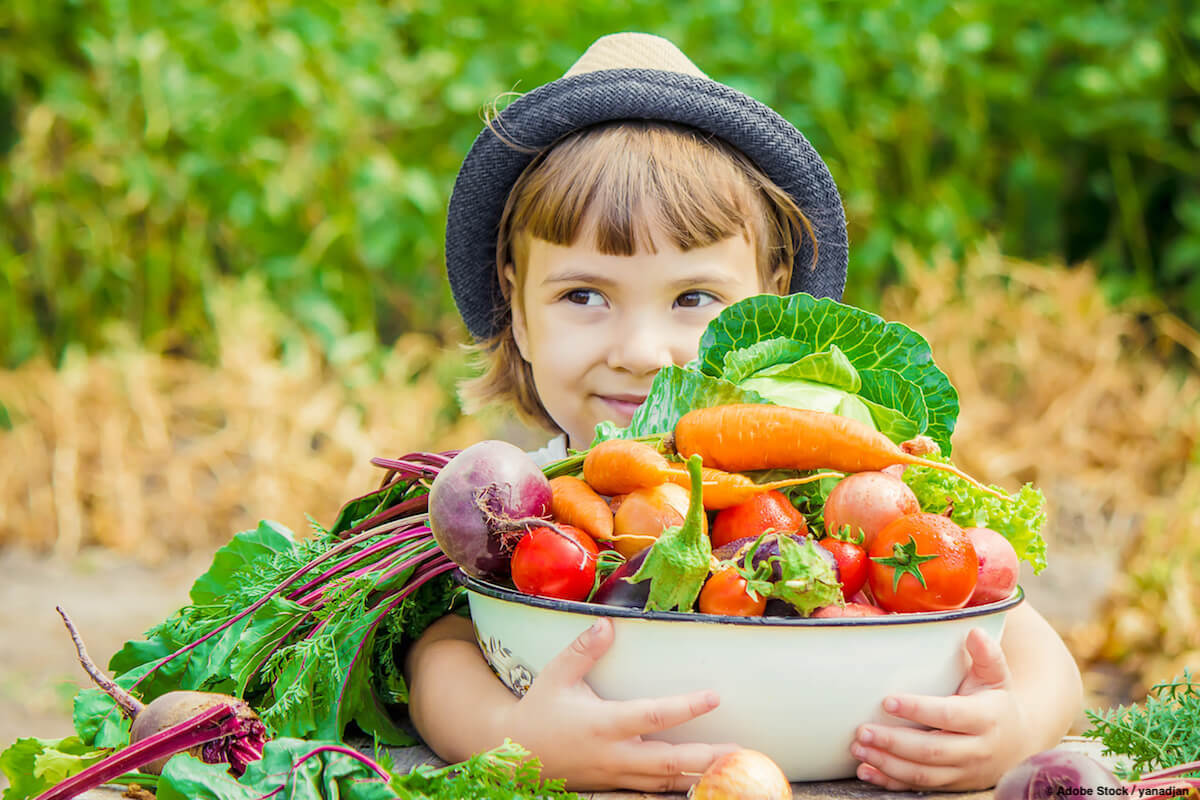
1055,774
482,501
215,728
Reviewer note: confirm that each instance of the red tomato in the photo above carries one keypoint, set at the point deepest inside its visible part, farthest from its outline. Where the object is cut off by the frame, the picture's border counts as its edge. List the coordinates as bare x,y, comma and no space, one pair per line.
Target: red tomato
851,563
922,562
764,511
551,564
725,592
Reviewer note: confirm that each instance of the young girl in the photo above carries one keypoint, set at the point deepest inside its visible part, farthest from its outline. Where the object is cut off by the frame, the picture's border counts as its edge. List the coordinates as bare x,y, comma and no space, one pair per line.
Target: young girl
596,227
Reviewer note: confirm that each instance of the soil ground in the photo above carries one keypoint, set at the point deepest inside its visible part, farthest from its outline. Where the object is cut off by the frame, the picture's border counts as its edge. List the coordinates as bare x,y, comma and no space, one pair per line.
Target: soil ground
113,599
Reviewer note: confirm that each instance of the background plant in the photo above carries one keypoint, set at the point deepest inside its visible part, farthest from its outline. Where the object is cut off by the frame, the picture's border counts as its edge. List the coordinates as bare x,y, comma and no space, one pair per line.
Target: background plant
147,149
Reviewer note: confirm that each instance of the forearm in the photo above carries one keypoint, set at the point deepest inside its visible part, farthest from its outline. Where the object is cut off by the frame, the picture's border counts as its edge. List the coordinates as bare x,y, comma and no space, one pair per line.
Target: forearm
455,702
1046,678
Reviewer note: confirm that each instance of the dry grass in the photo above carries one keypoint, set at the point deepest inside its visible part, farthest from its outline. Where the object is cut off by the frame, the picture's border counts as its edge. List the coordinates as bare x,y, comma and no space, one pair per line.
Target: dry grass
1099,406
150,455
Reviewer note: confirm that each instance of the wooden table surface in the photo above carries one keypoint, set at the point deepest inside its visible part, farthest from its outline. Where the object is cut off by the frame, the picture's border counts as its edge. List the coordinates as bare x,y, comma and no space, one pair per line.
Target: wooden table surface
851,789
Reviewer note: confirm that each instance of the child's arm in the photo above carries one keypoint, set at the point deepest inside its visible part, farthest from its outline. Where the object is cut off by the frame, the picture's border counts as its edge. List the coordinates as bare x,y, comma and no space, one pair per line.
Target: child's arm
1019,698
459,707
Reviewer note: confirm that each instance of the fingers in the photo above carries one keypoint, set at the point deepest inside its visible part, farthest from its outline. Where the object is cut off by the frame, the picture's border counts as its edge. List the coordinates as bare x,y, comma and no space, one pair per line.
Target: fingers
662,767
576,660
638,717
956,714
989,667
936,748
899,774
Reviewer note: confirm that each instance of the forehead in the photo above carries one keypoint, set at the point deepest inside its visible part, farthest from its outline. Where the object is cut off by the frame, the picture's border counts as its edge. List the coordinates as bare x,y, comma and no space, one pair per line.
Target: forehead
730,262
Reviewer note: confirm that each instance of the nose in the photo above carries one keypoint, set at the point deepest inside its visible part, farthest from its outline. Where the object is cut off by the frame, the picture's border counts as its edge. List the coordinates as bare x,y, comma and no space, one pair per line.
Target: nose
640,345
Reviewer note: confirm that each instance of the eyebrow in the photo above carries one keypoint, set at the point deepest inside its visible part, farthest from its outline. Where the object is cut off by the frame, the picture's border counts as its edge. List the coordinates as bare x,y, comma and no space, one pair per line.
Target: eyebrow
579,276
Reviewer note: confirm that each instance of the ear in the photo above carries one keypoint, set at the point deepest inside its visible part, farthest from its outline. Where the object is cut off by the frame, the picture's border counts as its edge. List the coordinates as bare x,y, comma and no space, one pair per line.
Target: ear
516,308
779,280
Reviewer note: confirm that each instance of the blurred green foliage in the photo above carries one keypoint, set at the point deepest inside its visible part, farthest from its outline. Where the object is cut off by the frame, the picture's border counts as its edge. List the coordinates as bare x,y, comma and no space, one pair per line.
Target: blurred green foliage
149,148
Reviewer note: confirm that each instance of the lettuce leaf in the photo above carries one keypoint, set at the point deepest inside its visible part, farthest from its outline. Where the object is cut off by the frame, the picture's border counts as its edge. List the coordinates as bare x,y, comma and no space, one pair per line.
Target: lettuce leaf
1019,519
894,362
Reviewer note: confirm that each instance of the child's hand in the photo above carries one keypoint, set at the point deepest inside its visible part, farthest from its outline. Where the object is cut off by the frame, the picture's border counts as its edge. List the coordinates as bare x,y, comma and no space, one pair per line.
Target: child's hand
977,733
598,744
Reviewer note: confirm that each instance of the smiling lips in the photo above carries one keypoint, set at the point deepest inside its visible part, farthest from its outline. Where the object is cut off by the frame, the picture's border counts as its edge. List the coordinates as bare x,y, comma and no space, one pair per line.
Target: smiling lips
624,404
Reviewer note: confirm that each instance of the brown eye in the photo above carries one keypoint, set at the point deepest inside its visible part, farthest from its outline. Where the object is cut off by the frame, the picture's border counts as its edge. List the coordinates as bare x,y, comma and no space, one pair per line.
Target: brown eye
694,299
583,297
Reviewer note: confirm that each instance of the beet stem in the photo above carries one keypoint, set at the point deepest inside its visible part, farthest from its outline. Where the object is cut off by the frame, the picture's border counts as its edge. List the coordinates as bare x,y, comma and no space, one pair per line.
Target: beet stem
257,604
378,564
398,510
346,751
213,723
349,561
1179,769
130,706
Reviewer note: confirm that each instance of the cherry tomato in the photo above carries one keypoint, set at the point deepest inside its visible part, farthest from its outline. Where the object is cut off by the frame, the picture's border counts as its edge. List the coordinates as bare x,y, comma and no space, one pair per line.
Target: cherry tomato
552,564
922,562
851,563
725,592
763,512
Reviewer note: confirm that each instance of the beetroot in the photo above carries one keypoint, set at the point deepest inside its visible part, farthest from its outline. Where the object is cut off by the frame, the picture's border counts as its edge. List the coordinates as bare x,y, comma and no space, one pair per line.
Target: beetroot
216,728
482,501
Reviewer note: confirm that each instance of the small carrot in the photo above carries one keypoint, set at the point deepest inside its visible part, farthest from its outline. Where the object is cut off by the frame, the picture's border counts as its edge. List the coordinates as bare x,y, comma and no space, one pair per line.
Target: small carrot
727,489
743,437
618,466
575,503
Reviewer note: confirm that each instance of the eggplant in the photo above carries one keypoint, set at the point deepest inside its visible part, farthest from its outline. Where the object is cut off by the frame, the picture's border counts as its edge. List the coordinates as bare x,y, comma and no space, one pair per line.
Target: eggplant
616,591
769,547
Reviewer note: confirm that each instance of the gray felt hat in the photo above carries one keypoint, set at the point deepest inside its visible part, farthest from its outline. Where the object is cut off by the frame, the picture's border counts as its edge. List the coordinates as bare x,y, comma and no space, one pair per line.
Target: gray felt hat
643,77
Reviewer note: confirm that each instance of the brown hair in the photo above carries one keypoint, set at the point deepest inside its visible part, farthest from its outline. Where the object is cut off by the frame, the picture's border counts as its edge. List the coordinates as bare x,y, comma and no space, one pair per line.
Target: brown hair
620,180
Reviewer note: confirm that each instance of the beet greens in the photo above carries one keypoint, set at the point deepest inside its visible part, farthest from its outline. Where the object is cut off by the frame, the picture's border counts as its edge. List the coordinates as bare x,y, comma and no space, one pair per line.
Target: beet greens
306,631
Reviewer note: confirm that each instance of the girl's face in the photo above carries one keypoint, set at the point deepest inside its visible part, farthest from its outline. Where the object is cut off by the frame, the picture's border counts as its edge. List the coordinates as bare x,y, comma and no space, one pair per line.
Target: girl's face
596,328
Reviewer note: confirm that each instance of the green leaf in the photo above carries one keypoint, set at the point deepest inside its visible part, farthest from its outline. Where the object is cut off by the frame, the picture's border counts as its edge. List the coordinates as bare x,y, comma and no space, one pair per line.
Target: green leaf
830,368
325,775
34,765
244,549
896,403
742,363
868,341
807,581
98,720
676,391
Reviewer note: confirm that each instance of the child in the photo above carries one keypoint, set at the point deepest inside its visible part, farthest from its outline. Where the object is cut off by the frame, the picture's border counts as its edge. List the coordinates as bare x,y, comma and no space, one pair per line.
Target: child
597,225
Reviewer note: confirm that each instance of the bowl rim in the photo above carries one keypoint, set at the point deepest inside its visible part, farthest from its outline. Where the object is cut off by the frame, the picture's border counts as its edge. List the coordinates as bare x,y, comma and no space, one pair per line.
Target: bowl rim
498,592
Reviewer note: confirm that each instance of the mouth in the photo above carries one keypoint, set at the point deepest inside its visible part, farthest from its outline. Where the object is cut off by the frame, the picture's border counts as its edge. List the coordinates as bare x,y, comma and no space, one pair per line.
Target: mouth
623,404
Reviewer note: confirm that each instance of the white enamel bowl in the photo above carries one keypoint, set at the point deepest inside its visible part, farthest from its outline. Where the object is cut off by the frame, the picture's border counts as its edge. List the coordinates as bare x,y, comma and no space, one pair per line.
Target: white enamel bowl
793,688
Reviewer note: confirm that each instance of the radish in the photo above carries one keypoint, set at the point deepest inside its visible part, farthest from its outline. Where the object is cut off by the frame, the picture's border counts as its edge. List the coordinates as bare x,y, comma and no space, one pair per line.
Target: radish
482,502
216,728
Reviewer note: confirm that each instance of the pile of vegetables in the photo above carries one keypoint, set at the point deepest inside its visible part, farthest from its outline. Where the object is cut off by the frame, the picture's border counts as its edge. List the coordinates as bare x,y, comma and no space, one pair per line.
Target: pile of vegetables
799,466
821,438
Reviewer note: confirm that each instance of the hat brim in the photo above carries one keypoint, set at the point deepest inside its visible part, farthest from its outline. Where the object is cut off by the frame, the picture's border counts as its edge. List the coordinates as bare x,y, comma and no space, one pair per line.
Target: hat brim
543,116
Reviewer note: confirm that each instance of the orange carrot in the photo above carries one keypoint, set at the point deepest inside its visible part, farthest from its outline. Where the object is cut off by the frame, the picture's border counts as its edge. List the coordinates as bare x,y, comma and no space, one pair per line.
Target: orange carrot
618,466
743,437
726,489
575,503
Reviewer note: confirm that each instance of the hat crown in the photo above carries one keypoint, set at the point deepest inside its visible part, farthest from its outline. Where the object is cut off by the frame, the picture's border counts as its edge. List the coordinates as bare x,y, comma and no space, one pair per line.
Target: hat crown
633,51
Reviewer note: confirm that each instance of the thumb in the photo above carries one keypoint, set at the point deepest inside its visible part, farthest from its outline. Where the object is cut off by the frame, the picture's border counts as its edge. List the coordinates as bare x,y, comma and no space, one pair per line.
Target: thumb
577,659
989,668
